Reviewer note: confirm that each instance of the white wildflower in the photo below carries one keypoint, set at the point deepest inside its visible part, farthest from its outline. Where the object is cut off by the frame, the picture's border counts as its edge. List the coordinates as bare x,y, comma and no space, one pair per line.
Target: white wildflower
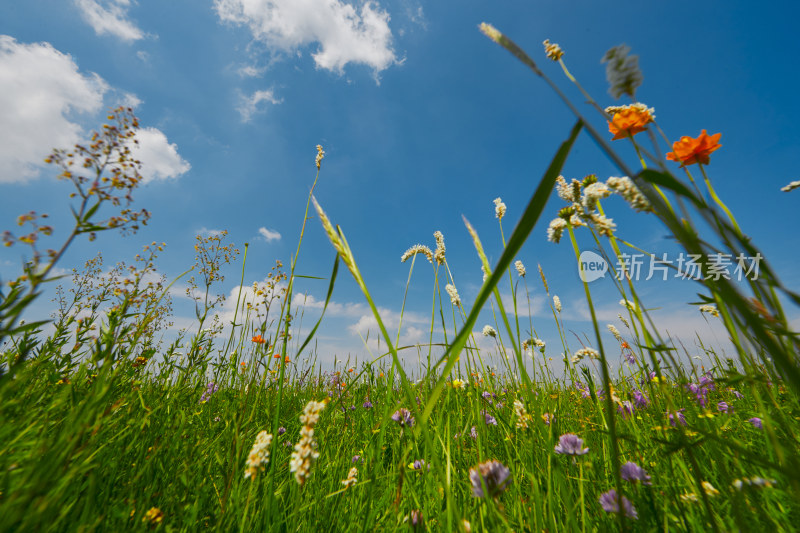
520,268
521,414
351,480
439,255
592,194
603,225
792,186
499,208
710,309
624,187
557,303
417,249
629,305
614,331
489,331
455,299
552,50
556,229
259,455
305,453
584,352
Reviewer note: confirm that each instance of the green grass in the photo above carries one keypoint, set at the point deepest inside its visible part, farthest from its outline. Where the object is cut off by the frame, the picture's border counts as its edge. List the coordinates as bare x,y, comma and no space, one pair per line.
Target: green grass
102,427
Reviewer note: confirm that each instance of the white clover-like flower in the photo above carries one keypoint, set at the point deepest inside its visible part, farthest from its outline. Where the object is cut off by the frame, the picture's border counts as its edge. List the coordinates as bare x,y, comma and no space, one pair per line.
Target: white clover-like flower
455,299
489,331
557,303
520,268
556,229
614,331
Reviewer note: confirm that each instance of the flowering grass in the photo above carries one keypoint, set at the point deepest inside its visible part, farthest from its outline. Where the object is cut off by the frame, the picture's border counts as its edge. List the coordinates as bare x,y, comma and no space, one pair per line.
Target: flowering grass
104,428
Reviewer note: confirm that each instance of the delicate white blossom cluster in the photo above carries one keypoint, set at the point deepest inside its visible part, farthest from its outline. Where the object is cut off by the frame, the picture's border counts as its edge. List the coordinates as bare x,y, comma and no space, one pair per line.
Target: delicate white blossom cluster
259,455
499,208
624,187
439,254
305,452
489,331
455,299
417,249
557,303
710,309
614,331
520,268
521,414
584,352
352,478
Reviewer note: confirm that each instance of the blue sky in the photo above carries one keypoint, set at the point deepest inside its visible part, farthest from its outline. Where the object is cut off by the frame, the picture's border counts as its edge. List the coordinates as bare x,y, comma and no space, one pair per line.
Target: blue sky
422,118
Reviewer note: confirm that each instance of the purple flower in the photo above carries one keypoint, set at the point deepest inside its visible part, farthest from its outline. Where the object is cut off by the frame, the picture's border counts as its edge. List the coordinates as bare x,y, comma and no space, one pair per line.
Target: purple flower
489,419
211,388
367,404
281,430
356,459
403,417
630,358
640,399
570,444
489,479
676,417
610,502
738,394
723,407
419,463
707,382
626,408
584,390
473,433
417,520
488,396
634,473
498,405
756,422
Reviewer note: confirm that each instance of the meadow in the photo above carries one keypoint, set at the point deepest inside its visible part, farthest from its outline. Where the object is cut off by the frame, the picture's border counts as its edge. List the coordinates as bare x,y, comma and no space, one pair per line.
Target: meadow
237,427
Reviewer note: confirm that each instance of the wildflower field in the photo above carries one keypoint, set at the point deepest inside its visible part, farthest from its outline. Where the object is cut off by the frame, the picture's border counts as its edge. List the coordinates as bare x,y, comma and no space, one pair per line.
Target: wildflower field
237,427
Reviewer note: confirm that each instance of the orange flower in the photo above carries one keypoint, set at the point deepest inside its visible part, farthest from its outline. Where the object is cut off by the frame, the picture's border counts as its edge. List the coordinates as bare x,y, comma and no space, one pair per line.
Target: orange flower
690,151
277,356
258,339
287,360
627,121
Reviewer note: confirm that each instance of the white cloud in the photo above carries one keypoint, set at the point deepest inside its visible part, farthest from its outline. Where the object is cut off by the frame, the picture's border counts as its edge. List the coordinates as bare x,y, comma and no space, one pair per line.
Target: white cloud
41,89
210,232
343,34
42,92
110,17
160,159
269,235
248,105
250,71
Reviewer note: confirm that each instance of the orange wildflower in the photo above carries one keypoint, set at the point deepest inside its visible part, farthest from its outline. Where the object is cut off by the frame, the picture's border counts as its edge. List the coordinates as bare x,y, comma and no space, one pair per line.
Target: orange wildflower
690,151
277,356
287,360
627,121
258,339
625,345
